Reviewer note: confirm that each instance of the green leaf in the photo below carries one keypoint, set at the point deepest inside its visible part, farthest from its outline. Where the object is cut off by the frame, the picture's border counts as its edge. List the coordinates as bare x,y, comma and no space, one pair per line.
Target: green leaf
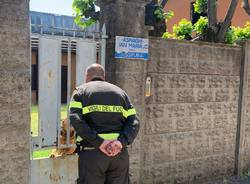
168,35
200,6
201,25
236,34
161,15
183,29
168,15
83,9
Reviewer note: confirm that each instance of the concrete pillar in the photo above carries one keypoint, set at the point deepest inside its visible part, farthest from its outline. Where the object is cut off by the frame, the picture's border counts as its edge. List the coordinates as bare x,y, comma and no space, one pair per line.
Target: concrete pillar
14,91
242,155
126,18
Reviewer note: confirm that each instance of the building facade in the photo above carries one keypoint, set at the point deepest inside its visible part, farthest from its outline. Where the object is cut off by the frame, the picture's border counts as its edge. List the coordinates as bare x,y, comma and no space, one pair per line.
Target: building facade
61,27
184,9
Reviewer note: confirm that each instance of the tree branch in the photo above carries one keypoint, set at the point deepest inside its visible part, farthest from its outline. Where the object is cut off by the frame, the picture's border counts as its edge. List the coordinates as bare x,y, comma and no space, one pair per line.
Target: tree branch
226,23
163,3
246,6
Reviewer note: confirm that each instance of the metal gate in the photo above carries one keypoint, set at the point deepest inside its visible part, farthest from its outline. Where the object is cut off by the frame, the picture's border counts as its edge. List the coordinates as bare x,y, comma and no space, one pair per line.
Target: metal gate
62,170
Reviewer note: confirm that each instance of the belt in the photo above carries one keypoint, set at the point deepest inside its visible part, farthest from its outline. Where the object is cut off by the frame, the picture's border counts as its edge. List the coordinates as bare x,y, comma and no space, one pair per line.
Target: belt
84,148
88,148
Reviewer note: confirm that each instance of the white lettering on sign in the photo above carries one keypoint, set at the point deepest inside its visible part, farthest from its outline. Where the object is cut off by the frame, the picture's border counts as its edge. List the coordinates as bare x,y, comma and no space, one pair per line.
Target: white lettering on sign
131,48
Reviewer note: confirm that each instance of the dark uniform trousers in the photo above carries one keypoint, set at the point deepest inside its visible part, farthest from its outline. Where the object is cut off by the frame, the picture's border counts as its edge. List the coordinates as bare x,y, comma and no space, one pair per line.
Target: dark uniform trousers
97,168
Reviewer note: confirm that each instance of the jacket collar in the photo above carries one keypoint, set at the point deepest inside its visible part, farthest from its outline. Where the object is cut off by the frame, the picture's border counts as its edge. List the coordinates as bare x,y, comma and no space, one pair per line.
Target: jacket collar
97,79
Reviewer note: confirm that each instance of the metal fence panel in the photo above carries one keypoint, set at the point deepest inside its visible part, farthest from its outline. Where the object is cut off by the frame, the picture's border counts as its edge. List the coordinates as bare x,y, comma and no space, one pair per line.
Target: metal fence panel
62,170
85,56
49,90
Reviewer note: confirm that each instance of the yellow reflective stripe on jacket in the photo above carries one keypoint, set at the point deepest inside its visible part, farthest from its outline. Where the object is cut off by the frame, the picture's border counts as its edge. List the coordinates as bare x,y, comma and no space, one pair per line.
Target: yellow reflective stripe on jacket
74,104
110,136
129,112
102,108
78,139
108,108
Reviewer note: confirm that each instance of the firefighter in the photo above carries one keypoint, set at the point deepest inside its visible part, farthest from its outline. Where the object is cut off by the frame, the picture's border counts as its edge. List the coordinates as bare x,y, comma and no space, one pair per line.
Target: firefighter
105,122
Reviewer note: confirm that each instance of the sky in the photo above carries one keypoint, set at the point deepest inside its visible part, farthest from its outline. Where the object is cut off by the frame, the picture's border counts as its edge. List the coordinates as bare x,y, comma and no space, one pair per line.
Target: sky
61,7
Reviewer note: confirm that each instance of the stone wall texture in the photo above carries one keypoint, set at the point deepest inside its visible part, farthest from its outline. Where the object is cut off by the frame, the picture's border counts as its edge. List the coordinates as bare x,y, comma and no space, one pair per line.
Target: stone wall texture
244,142
15,91
190,130
126,18
195,125
190,123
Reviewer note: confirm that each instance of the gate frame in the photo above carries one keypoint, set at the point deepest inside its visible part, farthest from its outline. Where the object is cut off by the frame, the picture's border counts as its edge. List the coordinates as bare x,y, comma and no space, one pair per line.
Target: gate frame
35,142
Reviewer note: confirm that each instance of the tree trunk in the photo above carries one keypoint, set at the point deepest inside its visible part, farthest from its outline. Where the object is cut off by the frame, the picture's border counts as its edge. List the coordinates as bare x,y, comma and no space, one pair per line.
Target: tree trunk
246,6
227,21
212,13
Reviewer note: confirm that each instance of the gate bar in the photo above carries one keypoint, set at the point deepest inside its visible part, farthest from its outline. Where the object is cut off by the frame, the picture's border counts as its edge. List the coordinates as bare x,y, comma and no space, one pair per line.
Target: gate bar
68,88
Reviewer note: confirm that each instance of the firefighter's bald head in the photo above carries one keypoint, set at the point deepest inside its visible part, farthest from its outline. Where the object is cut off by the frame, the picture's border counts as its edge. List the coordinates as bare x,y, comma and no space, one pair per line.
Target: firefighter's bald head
95,71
